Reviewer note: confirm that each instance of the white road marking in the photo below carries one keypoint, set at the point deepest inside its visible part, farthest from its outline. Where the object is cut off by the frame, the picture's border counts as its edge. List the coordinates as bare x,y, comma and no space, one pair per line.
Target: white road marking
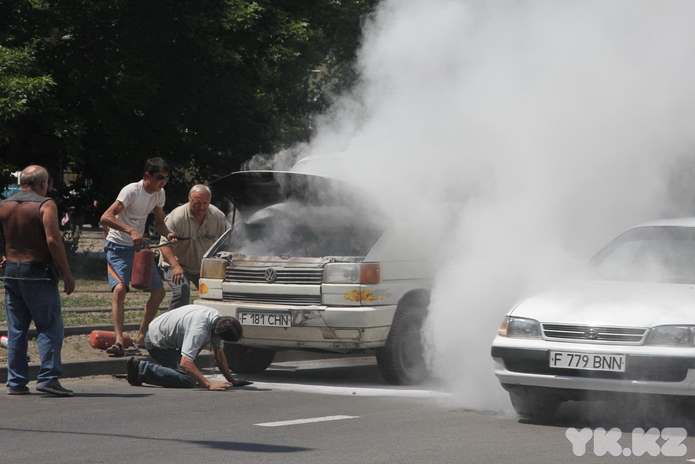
305,421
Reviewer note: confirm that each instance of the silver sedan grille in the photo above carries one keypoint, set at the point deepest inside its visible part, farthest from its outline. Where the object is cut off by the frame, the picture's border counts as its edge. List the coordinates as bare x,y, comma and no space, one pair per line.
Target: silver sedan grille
629,335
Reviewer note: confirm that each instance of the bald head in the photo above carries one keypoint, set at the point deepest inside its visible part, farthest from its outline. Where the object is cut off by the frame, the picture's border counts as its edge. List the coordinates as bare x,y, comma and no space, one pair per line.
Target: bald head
34,178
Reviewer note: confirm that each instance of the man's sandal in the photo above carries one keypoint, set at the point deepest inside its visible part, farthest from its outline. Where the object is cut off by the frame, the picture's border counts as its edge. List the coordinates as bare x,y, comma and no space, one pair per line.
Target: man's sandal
116,350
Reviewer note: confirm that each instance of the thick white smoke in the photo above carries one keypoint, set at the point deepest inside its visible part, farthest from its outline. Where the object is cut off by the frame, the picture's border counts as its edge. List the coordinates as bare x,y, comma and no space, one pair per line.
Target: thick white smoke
554,124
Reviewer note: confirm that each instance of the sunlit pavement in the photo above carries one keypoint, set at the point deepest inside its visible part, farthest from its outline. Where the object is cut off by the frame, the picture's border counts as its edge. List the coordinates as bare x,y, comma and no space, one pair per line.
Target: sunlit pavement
356,376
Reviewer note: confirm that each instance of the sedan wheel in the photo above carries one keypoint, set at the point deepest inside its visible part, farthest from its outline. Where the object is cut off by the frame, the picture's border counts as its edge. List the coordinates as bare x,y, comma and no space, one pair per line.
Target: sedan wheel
533,406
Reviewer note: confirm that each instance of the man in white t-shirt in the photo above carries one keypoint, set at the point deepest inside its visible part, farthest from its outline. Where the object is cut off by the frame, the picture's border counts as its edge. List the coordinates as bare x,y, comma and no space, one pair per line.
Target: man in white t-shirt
174,341
126,219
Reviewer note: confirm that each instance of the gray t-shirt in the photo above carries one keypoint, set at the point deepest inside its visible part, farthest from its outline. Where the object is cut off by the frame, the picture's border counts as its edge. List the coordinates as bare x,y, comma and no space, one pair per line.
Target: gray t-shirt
187,329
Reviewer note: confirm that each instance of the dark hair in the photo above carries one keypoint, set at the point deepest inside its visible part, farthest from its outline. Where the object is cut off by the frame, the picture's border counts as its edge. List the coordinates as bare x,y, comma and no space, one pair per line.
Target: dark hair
157,164
228,329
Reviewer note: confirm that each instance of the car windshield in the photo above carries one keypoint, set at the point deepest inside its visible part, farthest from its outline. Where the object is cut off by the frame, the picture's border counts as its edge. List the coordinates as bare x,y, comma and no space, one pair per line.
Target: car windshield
298,230
648,254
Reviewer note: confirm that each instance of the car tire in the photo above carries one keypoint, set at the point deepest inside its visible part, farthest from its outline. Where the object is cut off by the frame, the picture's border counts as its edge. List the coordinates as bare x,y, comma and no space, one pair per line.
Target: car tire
402,360
532,406
246,360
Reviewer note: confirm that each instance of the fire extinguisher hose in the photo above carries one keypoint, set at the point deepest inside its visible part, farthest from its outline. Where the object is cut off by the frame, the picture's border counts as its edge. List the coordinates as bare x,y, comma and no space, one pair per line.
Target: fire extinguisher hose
165,243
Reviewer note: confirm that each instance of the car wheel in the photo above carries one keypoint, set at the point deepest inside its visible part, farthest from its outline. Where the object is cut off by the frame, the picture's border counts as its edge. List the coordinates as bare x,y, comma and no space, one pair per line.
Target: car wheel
402,360
245,360
533,406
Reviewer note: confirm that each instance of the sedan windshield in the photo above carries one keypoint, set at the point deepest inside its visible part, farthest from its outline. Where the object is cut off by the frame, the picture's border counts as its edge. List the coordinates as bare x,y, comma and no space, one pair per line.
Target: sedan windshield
648,254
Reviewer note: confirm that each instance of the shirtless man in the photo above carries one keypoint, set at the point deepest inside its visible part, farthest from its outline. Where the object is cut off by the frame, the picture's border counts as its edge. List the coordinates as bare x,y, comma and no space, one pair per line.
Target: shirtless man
35,260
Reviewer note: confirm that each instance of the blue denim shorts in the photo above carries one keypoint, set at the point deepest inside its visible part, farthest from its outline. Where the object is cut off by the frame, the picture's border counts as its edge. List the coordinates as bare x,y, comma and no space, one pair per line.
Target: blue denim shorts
119,263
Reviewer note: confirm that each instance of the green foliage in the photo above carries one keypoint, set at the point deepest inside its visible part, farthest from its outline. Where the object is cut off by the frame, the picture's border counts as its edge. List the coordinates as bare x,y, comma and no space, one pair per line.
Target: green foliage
206,84
71,242
18,88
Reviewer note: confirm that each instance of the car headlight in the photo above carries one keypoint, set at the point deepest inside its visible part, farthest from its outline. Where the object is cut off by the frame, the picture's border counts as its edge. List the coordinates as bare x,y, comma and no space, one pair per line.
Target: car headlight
352,273
342,273
213,268
673,335
519,327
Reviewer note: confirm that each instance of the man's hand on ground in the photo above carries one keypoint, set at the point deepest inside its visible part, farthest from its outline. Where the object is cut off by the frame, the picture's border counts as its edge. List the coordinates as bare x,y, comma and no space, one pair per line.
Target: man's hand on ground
218,385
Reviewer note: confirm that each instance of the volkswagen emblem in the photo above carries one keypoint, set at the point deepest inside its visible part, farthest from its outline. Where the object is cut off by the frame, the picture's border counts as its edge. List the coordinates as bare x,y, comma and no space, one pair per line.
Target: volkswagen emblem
271,275
592,334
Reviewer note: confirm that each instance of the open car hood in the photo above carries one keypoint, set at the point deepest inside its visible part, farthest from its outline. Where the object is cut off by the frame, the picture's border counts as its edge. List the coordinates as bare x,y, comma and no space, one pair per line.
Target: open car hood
251,191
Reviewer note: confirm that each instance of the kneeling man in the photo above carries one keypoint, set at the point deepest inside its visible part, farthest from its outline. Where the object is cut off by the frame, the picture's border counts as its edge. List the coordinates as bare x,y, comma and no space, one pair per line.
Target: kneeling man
175,339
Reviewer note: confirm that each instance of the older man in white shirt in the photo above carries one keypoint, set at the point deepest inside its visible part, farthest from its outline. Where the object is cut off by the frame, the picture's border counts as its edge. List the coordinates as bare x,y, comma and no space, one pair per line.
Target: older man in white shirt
200,224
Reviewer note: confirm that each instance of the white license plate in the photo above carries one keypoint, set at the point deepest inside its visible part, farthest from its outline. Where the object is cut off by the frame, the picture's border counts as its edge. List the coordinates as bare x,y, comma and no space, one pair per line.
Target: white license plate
588,361
266,319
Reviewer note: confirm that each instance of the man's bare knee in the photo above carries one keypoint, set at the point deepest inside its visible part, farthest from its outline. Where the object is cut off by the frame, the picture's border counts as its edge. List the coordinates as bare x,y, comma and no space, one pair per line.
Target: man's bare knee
119,292
157,293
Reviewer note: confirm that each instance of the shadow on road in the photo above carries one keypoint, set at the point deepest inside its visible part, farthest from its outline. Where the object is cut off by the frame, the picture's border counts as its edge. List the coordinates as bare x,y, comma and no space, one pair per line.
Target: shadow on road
221,445
627,414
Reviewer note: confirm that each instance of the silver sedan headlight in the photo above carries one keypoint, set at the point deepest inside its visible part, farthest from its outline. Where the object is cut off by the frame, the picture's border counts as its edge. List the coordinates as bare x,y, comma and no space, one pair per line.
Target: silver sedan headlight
671,335
519,327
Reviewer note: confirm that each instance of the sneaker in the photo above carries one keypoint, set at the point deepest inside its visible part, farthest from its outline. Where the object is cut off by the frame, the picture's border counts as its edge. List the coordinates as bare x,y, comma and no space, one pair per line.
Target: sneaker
23,390
132,374
55,389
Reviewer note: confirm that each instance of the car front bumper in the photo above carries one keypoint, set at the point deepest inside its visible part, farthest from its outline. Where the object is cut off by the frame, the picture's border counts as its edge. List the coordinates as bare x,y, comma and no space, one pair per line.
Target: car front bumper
649,370
337,329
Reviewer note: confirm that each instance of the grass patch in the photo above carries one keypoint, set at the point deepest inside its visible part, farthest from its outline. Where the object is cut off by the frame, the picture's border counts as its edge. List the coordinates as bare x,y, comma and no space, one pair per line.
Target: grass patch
82,298
92,292
71,319
86,300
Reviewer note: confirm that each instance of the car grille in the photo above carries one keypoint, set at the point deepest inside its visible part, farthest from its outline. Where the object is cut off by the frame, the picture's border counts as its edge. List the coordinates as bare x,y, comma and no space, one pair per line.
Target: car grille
626,335
291,300
637,367
282,275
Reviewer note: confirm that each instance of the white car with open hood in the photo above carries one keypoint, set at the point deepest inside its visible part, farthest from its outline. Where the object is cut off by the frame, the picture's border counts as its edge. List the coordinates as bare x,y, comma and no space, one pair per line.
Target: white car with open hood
310,264
625,327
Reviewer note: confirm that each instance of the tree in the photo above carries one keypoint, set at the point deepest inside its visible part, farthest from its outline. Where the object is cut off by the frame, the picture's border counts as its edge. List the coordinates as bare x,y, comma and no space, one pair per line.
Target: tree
206,84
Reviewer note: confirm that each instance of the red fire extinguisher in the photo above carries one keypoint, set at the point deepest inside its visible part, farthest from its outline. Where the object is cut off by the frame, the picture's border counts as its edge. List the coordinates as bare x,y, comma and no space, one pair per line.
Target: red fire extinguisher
102,339
141,277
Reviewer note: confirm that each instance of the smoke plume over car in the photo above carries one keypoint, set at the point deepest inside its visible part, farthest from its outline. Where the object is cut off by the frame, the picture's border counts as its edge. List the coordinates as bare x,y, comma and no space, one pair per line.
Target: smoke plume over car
551,126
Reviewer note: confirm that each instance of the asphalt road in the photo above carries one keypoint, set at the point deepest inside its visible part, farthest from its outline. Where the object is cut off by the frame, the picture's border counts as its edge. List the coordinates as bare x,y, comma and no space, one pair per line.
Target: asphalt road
334,411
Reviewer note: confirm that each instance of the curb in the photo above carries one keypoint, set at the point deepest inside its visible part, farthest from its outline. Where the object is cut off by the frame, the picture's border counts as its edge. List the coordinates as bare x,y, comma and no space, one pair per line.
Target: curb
109,366
116,366
84,330
204,361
